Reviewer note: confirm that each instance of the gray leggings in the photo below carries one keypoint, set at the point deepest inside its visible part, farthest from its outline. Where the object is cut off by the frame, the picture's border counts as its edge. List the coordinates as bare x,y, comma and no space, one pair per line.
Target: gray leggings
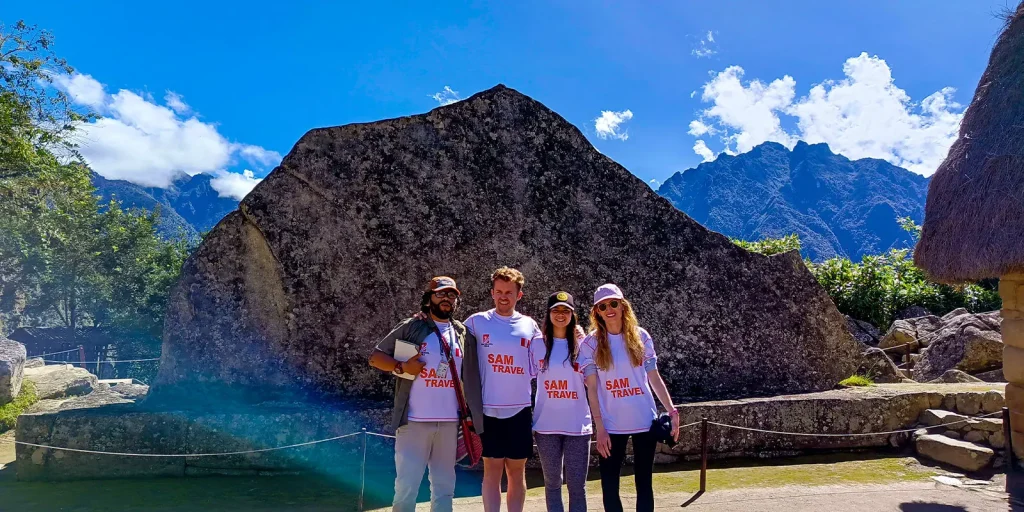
576,452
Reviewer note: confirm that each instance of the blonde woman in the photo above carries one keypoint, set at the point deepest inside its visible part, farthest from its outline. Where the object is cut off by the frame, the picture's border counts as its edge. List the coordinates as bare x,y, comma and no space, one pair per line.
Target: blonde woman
621,371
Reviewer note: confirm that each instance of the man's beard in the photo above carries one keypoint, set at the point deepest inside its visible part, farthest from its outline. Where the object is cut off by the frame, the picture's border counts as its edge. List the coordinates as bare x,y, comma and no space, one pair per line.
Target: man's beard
435,309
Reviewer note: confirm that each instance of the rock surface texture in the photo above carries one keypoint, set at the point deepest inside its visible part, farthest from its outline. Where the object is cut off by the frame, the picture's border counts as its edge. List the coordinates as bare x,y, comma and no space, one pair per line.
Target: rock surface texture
963,341
12,366
962,454
290,293
58,381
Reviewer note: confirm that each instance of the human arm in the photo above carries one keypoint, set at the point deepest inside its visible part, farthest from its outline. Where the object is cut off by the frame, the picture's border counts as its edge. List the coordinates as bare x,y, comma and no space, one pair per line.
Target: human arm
661,391
604,441
382,357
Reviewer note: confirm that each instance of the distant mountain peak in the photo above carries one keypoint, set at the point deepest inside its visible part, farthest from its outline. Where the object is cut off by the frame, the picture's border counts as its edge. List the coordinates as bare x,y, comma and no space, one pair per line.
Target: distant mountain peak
838,206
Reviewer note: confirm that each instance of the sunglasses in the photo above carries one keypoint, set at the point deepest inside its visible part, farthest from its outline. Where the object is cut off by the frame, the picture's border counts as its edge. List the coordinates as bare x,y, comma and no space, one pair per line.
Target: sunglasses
447,294
614,304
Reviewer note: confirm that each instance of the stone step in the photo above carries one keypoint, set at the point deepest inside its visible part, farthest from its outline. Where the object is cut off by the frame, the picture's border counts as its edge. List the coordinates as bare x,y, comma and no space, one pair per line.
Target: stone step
932,417
962,454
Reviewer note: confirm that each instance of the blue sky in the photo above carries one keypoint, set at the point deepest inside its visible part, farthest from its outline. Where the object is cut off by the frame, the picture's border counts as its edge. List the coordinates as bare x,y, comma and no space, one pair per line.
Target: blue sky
254,76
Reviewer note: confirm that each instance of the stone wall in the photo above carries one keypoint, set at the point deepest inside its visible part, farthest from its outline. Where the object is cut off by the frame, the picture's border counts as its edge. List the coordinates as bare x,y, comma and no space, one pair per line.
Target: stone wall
1011,290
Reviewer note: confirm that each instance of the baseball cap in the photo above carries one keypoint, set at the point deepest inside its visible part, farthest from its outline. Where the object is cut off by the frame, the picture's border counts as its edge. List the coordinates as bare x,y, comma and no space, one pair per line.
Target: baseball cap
561,299
607,291
442,283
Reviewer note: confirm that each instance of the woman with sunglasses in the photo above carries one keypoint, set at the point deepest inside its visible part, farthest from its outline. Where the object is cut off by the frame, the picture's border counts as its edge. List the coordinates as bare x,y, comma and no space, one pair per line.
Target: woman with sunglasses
561,416
621,372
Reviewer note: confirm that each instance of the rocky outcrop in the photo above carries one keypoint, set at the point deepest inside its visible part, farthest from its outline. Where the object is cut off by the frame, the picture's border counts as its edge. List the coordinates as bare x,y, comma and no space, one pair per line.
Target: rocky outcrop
58,381
962,454
12,366
878,367
289,294
863,331
955,376
965,344
35,362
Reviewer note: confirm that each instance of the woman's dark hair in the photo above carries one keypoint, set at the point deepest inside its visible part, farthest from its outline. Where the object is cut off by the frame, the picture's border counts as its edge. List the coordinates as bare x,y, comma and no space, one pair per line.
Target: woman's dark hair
572,336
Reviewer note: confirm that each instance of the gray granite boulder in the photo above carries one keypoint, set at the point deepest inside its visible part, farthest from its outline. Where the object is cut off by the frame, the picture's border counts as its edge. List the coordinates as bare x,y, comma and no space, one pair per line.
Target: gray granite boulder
60,380
35,362
12,366
877,366
288,294
954,376
962,454
965,342
863,331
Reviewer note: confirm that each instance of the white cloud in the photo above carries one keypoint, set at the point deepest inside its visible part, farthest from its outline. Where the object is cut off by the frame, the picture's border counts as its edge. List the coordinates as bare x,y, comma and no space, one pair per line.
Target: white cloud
864,115
607,125
230,184
177,103
701,148
654,184
149,144
447,96
705,46
82,89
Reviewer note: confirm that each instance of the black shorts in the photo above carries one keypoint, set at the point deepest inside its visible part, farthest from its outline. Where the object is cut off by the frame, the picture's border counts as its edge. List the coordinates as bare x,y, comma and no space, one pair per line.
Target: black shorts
509,438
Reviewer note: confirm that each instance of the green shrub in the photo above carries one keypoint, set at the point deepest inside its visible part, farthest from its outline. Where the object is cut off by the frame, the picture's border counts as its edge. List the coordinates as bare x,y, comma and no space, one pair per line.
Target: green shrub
856,380
9,413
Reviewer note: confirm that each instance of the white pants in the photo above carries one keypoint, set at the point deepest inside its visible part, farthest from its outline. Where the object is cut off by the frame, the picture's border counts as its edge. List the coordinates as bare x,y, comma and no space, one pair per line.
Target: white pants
425,445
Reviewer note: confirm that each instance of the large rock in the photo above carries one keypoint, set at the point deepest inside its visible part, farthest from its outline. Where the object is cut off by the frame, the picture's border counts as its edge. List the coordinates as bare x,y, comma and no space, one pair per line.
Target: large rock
954,376
289,293
12,366
962,454
863,331
877,366
966,342
60,380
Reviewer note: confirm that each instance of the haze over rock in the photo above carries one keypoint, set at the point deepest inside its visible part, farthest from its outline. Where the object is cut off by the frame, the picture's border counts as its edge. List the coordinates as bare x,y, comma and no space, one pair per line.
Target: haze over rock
289,294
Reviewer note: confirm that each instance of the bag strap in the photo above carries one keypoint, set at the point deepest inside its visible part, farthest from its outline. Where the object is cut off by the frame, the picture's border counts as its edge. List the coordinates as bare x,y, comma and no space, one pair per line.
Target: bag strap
453,372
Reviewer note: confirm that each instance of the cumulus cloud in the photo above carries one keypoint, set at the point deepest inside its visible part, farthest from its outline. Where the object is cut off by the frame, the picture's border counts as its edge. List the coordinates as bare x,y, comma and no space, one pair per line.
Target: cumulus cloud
705,46
82,89
231,184
702,149
864,115
149,144
177,103
608,123
446,96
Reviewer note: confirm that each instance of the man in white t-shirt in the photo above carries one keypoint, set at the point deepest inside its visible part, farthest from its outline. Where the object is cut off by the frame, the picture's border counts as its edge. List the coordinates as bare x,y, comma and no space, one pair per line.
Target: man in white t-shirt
426,413
502,352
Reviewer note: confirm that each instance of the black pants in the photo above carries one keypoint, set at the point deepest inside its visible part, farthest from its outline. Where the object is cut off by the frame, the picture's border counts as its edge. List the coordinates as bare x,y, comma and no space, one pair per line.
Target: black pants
644,445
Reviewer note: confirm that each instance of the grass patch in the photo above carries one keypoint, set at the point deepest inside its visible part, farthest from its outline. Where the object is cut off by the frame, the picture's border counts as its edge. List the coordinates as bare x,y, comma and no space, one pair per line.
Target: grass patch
9,413
856,380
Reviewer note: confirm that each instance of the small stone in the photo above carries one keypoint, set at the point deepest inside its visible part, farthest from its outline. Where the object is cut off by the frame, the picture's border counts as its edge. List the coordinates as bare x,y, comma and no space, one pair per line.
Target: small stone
968,403
947,480
992,401
952,434
975,436
997,440
932,417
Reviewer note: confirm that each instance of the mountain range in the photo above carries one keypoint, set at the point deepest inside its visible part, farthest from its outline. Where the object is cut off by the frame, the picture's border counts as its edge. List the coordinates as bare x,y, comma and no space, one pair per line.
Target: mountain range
837,206
188,207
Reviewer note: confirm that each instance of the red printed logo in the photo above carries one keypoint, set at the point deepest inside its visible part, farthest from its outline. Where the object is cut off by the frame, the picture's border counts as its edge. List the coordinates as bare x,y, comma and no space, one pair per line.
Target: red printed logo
523,342
486,340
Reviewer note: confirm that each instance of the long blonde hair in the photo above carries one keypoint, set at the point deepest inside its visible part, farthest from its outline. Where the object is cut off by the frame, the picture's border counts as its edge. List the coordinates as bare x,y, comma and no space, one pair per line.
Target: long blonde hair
630,332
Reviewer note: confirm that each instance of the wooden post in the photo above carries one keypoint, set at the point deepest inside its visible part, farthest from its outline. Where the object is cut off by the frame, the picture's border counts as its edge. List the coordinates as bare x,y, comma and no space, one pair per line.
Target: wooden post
81,355
703,453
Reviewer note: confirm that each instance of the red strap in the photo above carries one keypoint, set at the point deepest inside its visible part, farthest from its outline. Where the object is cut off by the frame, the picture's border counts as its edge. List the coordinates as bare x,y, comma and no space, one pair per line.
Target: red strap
453,370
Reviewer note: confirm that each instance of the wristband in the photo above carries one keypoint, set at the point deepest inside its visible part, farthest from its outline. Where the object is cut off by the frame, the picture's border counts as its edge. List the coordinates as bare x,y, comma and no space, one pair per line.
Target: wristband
674,412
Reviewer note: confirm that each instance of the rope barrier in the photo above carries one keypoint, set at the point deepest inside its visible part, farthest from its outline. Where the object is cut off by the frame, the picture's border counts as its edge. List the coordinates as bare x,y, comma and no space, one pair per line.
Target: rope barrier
380,435
54,353
737,427
102,361
221,454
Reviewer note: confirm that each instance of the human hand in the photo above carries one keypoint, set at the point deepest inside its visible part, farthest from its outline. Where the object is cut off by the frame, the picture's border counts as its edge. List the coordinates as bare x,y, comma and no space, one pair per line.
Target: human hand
419,315
674,415
604,442
414,365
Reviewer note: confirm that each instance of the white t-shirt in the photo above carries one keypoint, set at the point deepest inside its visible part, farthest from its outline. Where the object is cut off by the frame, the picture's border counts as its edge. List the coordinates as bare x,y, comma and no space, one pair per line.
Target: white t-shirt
432,396
626,401
561,406
503,345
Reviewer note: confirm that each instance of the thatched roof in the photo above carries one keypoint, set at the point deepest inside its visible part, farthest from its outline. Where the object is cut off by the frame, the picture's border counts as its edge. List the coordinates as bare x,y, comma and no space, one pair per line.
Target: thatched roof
974,217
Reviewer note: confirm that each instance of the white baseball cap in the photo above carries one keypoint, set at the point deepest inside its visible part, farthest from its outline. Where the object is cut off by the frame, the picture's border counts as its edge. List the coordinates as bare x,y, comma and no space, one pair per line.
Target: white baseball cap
607,291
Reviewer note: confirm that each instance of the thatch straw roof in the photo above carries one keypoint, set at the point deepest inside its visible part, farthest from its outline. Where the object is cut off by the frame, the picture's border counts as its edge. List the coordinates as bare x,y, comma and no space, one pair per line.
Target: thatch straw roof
974,217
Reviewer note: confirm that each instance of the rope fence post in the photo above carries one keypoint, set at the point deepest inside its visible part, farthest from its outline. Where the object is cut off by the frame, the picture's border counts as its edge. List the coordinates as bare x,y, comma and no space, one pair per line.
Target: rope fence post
1007,431
362,473
81,355
703,453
